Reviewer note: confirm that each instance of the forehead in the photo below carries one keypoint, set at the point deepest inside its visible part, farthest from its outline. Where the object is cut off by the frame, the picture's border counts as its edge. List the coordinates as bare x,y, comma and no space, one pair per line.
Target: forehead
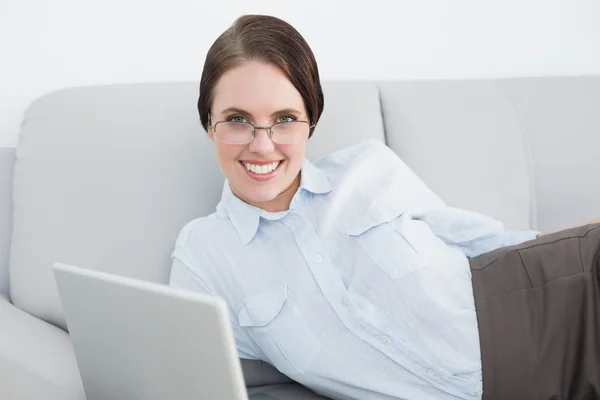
256,87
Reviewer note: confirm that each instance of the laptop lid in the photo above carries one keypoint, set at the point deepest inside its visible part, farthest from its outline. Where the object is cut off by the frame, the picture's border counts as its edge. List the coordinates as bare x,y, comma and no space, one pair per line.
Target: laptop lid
141,340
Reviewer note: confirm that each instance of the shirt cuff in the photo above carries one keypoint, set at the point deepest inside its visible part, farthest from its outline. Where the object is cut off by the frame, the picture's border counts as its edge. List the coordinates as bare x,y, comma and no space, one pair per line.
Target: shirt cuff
517,237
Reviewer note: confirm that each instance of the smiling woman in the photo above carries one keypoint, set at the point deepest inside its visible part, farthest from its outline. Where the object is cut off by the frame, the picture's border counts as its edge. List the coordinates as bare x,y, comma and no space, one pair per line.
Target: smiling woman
260,145
260,98
350,275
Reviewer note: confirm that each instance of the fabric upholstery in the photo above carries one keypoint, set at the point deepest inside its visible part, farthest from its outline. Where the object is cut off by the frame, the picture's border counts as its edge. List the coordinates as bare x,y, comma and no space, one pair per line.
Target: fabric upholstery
352,113
465,140
258,373
264,382
561,118
288,391
121,169
36,359
7,157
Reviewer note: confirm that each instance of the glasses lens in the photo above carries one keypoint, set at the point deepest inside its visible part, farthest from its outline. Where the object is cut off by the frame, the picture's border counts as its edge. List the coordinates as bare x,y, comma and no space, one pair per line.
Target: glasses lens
234,132
290,132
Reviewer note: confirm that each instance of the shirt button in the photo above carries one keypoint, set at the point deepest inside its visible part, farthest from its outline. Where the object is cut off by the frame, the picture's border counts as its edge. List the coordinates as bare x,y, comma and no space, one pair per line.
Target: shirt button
318,258
478,393
383,339
430,372
344,301
297,222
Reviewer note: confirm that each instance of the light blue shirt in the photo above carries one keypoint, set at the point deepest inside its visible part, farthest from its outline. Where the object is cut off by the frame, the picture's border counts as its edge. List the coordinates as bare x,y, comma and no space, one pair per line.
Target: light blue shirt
361,290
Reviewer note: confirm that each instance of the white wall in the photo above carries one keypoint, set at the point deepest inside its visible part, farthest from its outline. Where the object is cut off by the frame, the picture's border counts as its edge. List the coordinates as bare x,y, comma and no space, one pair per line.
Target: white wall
46,45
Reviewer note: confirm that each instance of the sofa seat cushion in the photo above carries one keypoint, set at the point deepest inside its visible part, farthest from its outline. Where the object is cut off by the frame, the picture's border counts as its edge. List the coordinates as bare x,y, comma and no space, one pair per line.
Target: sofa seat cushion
36,359
285,391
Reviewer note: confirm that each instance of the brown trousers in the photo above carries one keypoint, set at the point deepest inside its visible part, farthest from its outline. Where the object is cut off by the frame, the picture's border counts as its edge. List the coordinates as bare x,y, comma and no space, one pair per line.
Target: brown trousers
538,310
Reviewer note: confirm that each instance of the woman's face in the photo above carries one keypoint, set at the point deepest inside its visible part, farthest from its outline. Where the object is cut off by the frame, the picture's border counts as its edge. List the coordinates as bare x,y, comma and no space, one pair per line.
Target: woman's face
262,172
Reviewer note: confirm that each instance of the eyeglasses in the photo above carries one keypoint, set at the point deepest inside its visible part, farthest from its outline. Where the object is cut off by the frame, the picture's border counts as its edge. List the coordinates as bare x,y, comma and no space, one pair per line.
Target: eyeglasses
244,132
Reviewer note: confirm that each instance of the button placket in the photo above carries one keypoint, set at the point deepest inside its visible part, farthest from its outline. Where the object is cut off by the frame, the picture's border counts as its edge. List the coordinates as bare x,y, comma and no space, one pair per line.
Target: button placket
316,256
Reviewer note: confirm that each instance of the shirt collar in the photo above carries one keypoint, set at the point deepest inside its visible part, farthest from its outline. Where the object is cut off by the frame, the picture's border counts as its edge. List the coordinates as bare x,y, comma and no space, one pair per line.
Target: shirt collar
313,179
246,218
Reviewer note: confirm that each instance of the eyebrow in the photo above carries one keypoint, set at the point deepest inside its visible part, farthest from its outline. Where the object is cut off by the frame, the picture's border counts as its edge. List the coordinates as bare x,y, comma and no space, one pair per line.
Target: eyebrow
278,112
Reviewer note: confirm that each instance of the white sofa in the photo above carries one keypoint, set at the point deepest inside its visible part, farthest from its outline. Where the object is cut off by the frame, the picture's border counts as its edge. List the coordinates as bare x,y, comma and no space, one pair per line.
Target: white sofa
105,177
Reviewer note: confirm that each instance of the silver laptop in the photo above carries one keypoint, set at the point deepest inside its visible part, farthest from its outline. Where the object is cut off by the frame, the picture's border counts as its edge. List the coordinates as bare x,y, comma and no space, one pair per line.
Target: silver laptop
140,340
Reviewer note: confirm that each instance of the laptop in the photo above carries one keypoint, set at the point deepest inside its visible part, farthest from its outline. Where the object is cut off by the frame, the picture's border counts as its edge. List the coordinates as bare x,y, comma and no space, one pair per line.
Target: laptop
140,340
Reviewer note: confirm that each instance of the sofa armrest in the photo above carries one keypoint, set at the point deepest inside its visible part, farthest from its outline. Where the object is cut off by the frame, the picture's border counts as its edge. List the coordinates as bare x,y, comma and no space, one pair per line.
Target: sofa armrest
7,159
37,360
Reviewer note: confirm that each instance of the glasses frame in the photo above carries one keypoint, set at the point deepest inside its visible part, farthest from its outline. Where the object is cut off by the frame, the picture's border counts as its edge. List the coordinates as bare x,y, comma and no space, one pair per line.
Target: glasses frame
269,129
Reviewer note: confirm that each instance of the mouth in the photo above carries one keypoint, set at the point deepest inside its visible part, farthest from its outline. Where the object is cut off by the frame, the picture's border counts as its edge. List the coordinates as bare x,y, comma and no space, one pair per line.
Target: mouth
263,171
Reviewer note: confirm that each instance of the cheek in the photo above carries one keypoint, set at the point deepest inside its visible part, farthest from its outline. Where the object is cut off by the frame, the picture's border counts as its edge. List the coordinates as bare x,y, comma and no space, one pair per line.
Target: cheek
294,152
228,153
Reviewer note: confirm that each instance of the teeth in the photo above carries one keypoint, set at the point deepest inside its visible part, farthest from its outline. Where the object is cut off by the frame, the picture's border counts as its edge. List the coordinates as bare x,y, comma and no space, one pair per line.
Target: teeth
261,169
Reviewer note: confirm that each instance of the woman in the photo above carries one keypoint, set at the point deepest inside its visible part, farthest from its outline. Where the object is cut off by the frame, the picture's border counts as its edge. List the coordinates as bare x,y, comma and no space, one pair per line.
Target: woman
349,275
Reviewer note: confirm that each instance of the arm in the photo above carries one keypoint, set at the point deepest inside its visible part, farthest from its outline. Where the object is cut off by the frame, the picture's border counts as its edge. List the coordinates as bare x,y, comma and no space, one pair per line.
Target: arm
471,233
184,276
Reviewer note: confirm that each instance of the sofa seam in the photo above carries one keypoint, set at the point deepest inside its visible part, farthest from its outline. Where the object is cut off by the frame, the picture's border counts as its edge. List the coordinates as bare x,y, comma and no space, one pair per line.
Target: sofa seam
382,114
526,143
11,222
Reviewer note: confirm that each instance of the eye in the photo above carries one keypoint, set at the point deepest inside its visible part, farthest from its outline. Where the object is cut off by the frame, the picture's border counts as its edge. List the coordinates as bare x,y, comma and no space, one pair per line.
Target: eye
237,118
286,118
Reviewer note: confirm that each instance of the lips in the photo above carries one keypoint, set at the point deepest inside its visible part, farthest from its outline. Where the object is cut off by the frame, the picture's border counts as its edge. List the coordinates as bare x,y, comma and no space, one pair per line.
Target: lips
261,171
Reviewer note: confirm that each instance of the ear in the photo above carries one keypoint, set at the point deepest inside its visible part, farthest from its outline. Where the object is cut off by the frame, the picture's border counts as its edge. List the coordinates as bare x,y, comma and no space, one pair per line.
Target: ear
209,130
211,134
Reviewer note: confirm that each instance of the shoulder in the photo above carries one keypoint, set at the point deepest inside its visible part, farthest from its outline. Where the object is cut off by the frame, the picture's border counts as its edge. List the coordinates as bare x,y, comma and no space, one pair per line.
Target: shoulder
373,177
365,150
370,162
192,265
204,231
200,247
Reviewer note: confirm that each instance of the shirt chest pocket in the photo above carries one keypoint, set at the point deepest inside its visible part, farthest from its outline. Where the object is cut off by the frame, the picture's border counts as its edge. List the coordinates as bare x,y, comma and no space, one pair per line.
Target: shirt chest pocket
279,328
395,246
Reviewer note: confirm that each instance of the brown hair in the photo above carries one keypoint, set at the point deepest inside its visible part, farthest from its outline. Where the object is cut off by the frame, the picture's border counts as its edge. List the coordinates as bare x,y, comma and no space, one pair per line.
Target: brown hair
268,39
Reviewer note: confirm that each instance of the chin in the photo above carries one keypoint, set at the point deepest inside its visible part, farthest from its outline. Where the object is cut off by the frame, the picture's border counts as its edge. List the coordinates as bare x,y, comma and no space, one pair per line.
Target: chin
261,196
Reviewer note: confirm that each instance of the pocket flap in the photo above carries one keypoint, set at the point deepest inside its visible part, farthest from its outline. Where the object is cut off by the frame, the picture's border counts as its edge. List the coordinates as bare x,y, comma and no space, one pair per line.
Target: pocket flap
373,217
262,308
387,245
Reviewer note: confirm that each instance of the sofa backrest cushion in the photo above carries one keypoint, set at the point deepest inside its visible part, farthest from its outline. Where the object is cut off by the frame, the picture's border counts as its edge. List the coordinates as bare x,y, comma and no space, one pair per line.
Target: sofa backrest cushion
465,140
523,150
562,120
107,176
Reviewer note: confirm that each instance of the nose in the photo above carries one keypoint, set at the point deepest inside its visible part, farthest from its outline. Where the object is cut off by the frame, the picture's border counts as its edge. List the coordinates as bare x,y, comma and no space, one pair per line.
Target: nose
262,143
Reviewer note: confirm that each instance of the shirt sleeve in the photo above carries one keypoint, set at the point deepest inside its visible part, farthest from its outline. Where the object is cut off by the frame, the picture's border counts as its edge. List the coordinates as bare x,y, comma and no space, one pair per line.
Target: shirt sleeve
184,276
471,233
